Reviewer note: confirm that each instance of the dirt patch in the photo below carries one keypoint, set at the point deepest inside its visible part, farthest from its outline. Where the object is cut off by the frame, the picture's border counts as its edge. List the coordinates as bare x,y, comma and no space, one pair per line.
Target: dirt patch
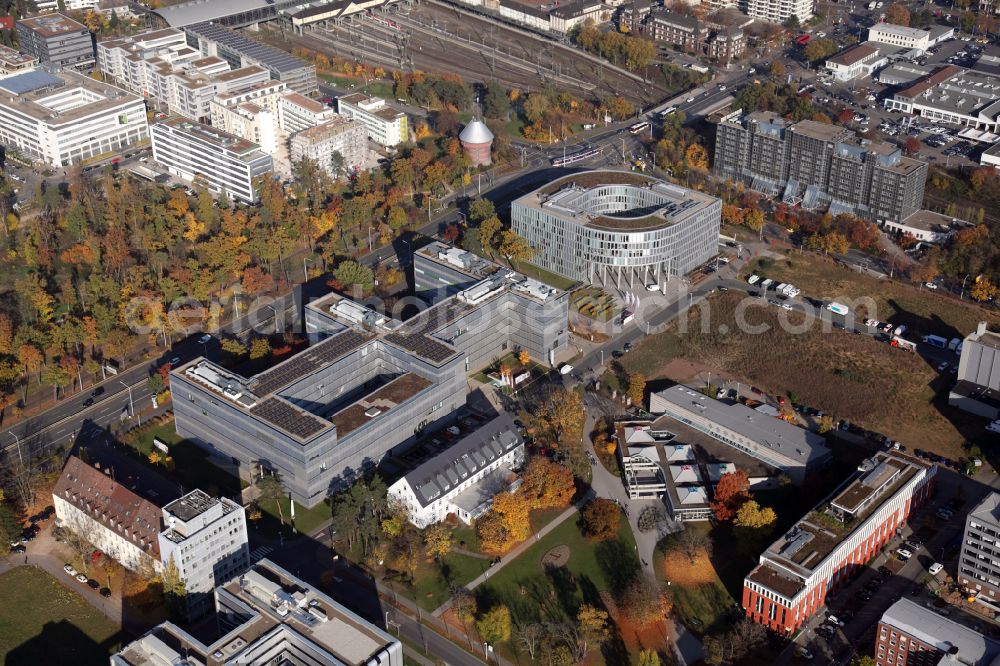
680,570
555,558
848,376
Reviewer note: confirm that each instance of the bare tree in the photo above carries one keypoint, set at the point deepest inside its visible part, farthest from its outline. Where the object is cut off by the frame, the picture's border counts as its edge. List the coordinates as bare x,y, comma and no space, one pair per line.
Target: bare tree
692,542
530,637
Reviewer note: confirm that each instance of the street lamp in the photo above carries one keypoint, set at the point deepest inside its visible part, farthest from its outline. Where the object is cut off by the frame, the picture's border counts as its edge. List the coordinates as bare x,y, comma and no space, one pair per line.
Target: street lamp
409,250
17,443
131,406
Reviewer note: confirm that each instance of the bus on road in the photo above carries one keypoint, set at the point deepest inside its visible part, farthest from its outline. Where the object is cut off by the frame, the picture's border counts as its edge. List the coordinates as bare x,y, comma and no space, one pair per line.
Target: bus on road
639,128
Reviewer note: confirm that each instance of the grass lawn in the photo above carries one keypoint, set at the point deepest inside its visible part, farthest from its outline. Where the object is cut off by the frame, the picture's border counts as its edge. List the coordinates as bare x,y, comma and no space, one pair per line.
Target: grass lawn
433,581
548,277
191,466
306,520
533,594
42,622
701,596
376,88
924,312
832,370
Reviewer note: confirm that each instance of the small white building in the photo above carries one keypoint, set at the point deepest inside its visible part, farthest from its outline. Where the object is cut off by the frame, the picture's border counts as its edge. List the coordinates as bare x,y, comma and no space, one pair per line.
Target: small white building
927,226
464,478
856,62
387,125
298,112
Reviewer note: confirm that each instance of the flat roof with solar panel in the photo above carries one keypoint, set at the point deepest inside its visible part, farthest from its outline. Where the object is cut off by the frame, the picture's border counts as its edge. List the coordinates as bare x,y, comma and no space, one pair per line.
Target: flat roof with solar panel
266,56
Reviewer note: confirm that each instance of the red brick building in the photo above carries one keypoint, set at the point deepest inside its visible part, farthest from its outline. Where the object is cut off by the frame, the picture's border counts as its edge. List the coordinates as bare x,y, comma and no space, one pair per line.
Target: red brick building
828,546
910,634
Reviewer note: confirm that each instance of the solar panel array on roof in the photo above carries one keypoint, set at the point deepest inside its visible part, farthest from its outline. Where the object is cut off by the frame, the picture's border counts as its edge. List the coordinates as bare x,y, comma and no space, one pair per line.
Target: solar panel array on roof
294,421
21,84
308,361
268,56
422,346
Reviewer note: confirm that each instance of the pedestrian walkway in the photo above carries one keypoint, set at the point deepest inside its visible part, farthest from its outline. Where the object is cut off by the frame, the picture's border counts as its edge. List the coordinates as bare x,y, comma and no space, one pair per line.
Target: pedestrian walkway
259,553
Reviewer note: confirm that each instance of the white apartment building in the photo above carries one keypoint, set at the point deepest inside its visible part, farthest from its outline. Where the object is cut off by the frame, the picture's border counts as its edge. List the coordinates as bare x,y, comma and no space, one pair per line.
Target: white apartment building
341,135
161,66
463,479
206,538
298,112
778,11
249,121
62,117
387,125
225,162
13,62
856,62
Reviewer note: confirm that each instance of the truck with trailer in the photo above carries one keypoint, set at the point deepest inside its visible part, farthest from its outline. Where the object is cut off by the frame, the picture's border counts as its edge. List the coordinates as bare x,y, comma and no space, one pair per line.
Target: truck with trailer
936,341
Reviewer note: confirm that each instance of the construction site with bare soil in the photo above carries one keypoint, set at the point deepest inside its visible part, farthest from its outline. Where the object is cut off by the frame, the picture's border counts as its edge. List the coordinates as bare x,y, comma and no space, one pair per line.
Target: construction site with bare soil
437,38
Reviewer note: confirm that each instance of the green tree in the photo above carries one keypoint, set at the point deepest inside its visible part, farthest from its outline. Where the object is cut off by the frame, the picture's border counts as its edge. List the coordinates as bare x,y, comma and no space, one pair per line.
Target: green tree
271,489
155,383
481,209
351,272
495,102
174,588
495,625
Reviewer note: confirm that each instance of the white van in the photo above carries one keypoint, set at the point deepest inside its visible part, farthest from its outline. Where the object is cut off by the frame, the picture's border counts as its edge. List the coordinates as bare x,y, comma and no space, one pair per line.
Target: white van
565,369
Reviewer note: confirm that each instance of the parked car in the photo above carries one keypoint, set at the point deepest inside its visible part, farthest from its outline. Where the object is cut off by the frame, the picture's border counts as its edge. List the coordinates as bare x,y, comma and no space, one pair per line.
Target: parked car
81,578
105,592
19,549
904,554
68,568
935,568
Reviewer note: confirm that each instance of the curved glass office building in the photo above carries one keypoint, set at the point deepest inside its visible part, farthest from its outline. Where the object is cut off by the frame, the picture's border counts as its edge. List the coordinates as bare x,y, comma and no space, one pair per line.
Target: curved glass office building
618,227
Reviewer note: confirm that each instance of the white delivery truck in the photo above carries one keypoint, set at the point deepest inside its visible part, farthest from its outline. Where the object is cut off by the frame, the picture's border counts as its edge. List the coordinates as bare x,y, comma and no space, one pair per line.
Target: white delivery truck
838,308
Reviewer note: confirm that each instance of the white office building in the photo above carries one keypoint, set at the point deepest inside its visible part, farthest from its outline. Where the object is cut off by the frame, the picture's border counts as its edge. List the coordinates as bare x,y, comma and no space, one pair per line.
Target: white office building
62,117
387,125
463,479
342,136
223,161
206,539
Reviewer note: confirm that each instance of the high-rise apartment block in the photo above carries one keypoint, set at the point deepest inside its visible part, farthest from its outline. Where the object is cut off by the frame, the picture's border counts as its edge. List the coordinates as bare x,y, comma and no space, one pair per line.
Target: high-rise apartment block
387,125
339,136
817,164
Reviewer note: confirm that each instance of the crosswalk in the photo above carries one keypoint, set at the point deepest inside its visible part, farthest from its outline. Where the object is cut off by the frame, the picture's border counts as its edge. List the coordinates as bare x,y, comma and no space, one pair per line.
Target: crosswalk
259,553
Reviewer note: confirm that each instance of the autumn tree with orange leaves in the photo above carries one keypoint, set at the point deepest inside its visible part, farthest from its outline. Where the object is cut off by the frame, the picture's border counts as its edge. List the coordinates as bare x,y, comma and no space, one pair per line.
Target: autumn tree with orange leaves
732,493
505,524
547,484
